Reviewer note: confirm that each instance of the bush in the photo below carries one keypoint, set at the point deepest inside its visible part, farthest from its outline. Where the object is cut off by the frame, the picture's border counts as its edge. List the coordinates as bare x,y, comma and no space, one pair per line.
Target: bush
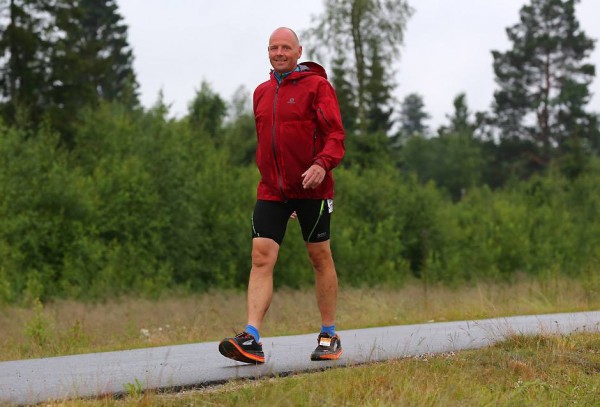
142,204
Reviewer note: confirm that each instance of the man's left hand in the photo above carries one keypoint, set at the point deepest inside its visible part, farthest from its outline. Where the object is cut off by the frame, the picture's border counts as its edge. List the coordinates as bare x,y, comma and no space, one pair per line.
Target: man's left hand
313,177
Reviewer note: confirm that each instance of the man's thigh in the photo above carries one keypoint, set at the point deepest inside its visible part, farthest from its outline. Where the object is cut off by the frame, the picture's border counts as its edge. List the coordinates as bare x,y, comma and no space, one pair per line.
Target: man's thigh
270,219
314,216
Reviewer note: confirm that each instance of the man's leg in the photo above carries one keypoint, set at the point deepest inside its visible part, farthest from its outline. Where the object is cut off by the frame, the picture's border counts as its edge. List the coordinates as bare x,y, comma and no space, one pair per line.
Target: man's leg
245,347
260,284
326,282
269,222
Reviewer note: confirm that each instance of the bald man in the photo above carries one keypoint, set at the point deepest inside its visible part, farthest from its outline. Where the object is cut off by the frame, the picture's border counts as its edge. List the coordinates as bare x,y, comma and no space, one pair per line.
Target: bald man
300,141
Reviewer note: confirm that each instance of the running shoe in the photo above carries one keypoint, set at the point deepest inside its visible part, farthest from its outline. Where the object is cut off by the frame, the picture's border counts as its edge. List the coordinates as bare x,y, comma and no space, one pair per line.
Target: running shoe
328,348
242,348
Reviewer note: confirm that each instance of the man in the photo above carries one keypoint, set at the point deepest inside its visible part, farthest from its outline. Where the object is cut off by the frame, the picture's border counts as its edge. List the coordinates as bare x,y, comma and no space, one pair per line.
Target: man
300,141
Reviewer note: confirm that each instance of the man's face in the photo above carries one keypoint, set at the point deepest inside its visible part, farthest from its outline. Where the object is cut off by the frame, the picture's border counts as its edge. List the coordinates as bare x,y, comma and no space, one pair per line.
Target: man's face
284,51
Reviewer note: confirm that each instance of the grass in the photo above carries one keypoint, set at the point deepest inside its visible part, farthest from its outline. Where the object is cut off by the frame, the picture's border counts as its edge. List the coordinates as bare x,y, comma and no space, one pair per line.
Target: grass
68,327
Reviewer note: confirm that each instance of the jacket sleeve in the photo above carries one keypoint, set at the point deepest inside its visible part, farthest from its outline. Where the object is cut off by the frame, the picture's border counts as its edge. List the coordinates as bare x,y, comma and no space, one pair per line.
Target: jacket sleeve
329,122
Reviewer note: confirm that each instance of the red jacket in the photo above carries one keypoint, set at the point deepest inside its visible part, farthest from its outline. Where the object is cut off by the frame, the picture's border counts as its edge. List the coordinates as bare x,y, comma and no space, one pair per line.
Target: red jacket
298,124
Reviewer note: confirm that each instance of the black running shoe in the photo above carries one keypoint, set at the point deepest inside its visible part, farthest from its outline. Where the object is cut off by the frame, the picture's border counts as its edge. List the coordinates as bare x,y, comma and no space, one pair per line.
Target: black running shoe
242,348
329,348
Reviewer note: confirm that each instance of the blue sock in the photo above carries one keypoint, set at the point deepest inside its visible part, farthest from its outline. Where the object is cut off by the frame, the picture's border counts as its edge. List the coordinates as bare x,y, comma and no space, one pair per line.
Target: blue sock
254,332
328,329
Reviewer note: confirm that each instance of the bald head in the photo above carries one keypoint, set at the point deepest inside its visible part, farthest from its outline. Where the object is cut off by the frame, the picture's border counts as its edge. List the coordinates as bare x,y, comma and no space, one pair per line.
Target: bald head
284,50
284,31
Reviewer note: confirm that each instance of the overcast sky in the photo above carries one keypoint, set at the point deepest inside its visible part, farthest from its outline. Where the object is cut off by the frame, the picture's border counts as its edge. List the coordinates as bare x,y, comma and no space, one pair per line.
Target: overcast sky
179,43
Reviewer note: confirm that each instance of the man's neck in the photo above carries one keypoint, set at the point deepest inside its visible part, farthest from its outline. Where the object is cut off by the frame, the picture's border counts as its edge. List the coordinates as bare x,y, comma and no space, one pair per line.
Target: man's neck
281,76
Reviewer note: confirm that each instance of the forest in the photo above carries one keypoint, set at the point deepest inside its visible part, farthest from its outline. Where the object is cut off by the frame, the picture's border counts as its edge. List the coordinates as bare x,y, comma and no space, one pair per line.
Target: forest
101,197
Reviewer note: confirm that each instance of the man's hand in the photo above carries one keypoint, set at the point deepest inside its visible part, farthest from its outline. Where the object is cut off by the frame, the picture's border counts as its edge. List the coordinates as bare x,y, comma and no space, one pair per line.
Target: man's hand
313,177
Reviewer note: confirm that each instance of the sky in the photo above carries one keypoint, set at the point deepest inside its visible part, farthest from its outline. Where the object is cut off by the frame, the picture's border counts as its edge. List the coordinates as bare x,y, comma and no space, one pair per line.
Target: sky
447,48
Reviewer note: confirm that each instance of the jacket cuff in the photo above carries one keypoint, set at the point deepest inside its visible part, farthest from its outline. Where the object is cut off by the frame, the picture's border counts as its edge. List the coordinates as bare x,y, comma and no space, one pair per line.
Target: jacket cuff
321,164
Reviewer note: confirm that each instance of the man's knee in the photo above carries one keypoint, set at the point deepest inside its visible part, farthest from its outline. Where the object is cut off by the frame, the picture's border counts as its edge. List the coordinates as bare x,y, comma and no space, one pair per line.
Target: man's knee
320,254
264,252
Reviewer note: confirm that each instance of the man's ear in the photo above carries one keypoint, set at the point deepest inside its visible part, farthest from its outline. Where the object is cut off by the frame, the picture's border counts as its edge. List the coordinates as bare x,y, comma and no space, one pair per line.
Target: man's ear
299,51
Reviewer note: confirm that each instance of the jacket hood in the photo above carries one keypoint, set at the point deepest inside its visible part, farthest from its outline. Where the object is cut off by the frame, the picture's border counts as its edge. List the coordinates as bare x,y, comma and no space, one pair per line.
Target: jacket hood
313,67
308,67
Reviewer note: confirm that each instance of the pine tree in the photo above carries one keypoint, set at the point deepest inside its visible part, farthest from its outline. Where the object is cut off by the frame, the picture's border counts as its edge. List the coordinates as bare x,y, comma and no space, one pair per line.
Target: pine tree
91,59
207,111
58,56
23,59
239,133
543,81
378,94
346,94
459,119
413,116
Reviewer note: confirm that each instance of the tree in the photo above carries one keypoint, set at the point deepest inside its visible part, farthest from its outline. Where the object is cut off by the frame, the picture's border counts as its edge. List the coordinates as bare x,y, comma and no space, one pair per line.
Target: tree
357,25
543,81
23,60
459,120
207,111
378,95
455,161
346,94
91,60
239,134
413,116
59,56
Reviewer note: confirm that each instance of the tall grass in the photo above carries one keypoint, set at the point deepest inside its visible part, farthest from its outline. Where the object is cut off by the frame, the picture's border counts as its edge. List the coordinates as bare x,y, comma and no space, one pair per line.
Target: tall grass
69,327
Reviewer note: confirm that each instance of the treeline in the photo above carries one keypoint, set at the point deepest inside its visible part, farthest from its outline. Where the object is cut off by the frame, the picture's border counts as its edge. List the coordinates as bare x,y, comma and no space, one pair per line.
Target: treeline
144,204
101,197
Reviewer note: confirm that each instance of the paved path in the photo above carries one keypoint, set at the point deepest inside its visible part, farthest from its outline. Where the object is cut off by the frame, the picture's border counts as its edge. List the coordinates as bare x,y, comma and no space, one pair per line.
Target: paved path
60,378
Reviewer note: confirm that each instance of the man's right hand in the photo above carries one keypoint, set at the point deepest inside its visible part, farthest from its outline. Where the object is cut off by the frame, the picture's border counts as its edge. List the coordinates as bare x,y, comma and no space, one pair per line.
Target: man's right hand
313,177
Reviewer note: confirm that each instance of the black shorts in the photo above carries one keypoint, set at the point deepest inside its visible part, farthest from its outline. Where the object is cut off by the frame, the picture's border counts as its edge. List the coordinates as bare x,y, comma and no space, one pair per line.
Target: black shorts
270,218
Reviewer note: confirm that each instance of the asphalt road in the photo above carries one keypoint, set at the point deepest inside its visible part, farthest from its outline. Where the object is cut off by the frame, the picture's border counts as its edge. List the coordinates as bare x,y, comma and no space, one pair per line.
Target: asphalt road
184,366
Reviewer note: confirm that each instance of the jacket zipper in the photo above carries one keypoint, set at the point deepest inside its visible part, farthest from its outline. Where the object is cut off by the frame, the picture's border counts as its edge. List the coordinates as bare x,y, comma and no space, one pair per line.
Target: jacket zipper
273,144
315,132
324,118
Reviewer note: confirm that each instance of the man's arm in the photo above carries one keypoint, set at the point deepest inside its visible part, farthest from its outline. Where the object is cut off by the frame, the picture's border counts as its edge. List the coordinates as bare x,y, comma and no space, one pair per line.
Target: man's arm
330,125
